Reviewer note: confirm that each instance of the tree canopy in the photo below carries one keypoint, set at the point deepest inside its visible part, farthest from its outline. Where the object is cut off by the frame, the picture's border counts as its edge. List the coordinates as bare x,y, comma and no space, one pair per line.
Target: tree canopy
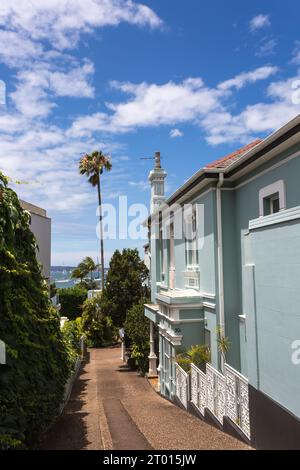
125,285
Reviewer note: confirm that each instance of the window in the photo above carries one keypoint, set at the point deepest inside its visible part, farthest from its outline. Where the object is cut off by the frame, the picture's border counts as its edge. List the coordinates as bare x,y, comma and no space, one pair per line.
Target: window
161,254
272,198
271,204
172,254
191,246
207,339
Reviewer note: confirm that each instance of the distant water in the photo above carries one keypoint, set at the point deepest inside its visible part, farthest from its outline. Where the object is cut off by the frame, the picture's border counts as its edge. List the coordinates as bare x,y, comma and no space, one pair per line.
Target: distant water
62,277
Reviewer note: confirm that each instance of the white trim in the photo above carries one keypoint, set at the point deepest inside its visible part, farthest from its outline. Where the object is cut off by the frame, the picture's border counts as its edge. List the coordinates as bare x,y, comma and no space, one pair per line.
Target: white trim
209,305
242,317
175,340
267,191
207,295
278,218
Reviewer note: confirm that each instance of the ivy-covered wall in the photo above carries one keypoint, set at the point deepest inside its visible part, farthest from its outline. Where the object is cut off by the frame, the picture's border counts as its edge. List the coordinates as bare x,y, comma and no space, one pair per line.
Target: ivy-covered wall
38,364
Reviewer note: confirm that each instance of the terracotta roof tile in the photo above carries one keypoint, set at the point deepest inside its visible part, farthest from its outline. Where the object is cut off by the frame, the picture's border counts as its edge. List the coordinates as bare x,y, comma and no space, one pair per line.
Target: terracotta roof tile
226,161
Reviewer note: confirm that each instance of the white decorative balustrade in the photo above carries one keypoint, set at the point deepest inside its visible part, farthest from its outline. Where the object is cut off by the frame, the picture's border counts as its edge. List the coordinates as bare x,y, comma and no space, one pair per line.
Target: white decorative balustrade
223,395
216,392
198,389
182,385
237,399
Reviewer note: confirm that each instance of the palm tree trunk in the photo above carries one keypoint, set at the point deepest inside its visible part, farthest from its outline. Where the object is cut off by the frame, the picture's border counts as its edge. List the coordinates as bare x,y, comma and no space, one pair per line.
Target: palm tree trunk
101,234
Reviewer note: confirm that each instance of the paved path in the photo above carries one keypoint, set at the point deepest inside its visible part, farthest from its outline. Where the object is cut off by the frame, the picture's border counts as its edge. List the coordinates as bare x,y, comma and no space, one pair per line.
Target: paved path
114,408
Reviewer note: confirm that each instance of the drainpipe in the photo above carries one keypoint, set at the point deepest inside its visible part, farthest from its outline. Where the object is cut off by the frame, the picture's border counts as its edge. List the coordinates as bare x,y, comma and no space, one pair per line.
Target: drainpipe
220,260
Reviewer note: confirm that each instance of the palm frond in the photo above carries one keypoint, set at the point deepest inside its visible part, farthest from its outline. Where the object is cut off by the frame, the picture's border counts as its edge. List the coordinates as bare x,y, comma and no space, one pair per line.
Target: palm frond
92,165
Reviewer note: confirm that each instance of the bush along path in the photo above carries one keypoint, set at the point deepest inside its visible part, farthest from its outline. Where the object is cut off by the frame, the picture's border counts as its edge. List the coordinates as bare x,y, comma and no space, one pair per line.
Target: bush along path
38,359
114,408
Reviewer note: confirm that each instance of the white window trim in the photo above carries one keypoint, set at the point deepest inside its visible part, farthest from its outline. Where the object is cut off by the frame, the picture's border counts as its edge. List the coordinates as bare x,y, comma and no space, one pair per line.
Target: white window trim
267,191
189,216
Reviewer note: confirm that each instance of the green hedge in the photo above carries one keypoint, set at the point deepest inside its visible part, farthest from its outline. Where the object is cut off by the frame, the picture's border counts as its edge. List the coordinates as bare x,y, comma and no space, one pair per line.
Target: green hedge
137,329
71,300
38,364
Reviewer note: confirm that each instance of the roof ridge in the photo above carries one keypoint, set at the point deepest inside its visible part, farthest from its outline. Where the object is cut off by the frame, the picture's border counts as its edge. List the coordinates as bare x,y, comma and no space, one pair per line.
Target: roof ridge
227,160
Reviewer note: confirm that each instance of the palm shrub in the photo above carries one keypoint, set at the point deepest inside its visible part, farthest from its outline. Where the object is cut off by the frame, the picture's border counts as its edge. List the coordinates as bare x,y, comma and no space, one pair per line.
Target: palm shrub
223,343
197,354
38,364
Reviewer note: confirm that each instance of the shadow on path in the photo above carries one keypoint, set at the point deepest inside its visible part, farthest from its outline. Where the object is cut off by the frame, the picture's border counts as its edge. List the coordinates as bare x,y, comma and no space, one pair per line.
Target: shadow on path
71,429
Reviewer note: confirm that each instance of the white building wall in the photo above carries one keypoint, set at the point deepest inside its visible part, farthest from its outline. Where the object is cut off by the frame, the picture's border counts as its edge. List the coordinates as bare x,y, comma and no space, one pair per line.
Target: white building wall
41,228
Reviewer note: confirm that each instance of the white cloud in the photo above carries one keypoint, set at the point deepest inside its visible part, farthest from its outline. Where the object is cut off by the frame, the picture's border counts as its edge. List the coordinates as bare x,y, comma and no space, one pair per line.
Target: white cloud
244,78
266,47
34,37
16,50
259,22
141,185
259,118
296,54
152,105
61,22
175,133
36,87
74,83
47,159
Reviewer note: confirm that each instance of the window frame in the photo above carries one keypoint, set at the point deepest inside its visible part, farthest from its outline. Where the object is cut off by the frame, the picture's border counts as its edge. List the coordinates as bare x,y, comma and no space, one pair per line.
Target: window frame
269,192
191,246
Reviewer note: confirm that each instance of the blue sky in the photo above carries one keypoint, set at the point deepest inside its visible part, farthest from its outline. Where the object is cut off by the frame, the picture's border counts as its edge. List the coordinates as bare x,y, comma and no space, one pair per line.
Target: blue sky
192,79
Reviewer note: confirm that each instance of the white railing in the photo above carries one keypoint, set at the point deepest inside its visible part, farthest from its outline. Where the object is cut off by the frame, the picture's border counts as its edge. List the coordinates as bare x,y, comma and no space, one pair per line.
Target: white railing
198,389
216,392
223,395
237,399
182,385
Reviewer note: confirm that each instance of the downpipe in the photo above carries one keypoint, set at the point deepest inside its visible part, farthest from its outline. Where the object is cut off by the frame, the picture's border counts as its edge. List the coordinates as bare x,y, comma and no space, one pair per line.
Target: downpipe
220,262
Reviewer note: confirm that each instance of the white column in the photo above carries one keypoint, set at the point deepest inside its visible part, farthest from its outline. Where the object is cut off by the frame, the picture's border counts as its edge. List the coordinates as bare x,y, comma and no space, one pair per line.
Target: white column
152,356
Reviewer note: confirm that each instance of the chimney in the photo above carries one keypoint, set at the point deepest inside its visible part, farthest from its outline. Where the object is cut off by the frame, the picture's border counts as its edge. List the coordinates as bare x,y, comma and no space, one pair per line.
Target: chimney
157,181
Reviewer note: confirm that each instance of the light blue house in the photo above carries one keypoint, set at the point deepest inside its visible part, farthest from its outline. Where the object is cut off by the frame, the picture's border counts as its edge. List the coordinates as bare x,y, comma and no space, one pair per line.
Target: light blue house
225,255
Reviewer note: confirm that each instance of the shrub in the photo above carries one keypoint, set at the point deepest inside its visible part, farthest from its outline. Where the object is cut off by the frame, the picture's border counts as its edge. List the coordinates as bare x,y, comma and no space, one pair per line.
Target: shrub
72,332
99,329
72,299
184,362
198,354
32,381
137,329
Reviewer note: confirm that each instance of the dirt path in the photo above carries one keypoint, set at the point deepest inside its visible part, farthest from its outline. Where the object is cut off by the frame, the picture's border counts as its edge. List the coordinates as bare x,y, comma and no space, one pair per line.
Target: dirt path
112,407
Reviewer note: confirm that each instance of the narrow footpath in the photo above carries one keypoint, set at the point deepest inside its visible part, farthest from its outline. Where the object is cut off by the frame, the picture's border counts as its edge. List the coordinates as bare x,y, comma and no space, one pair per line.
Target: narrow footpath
112,407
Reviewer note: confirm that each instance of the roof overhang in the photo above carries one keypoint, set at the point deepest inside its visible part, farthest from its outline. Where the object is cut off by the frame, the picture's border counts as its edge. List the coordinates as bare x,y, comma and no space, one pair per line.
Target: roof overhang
283,138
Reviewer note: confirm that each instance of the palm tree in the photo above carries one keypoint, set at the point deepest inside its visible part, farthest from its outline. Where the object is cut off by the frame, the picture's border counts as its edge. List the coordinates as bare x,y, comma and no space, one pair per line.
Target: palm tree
78,273
92,165
90,265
